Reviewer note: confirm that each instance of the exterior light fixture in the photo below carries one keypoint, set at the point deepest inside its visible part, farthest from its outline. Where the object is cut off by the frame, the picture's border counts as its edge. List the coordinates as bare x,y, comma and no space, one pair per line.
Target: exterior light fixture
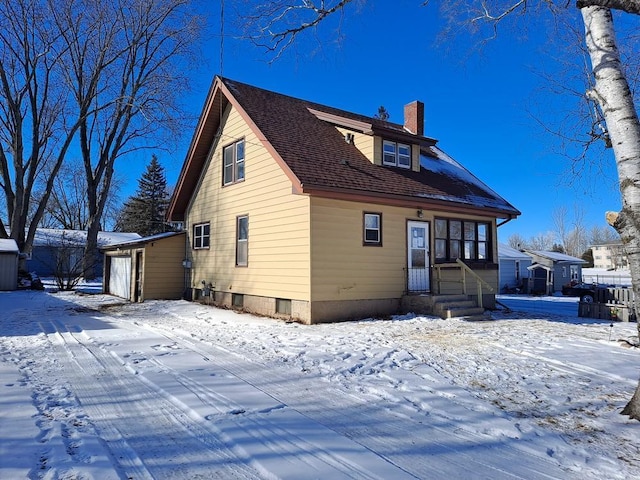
419,213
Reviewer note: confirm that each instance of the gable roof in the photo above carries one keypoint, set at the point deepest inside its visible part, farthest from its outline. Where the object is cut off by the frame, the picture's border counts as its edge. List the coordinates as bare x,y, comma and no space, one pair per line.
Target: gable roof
141,240
505,252
302,137
54,237
556,256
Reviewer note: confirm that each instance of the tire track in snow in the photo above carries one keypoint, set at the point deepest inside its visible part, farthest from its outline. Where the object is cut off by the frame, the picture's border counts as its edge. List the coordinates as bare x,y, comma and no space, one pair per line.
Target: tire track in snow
148,436
275,428
452,453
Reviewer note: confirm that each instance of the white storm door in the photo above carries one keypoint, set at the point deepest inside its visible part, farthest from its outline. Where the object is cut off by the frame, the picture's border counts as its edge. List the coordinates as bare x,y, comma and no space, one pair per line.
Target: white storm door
120,277
418,257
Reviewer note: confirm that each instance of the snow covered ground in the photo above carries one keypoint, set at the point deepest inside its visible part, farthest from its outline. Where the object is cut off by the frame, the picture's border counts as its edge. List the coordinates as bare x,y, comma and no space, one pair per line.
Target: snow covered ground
91,387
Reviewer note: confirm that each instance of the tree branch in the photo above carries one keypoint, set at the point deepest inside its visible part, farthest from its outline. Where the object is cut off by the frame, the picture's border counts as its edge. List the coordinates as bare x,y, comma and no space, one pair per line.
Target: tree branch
628,6
277,24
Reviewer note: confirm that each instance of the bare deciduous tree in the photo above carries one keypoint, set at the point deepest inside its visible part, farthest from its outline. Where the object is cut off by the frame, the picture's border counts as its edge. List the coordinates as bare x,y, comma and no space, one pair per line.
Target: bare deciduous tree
122,67
35,133
68,208
104,77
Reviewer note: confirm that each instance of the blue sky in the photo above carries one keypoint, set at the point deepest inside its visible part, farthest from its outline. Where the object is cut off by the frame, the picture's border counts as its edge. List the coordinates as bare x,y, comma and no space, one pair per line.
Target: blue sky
476,104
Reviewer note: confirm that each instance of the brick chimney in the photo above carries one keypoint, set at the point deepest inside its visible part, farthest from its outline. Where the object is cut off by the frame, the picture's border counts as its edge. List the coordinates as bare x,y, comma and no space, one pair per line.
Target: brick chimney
414,117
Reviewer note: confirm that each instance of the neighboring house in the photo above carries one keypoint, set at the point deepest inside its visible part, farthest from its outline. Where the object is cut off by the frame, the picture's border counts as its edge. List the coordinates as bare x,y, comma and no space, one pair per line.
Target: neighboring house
303,211
514,269
61,251
146,268
9,256
551,270
610,256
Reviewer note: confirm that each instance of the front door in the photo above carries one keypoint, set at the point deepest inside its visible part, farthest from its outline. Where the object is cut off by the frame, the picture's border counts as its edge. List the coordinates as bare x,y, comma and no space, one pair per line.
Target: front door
418,257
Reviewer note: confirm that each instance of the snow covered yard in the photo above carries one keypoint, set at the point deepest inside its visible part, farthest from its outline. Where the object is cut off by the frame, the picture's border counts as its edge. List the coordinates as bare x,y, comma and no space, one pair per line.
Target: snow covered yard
94,388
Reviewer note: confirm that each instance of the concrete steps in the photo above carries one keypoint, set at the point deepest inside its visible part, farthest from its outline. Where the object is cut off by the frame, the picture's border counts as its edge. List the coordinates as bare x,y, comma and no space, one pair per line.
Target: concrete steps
446,306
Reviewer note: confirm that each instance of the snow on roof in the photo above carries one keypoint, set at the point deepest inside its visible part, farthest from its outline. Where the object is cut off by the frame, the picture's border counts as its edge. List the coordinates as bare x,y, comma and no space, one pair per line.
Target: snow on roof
506,252
557,257
478,193
8,246
54,237
139,240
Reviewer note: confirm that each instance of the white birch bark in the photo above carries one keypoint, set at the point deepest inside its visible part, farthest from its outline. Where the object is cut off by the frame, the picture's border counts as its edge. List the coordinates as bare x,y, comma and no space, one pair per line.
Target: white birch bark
612,93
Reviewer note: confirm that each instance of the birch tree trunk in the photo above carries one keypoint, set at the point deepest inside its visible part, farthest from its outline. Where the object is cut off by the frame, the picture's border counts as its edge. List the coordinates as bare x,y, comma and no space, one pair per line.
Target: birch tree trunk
614,97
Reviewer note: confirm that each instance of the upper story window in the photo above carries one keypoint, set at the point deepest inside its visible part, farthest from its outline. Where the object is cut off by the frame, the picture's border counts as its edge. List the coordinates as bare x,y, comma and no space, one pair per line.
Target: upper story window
466,240
201,235
396,154
372,234
233,167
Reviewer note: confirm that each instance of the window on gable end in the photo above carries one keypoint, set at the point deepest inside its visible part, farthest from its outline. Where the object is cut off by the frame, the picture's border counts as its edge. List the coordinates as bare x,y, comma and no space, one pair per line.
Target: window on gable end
233,163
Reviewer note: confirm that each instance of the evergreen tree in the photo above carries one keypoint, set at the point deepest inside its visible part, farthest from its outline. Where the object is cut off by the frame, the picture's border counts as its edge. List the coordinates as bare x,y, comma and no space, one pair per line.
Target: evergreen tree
144,213
382,114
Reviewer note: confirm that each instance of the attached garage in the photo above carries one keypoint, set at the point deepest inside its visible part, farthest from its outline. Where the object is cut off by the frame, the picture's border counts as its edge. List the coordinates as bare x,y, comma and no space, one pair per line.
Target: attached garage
9,255
147,268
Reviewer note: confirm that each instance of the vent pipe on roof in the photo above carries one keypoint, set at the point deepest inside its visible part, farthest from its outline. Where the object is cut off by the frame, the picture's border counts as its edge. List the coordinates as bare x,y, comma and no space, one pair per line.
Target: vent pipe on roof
414,117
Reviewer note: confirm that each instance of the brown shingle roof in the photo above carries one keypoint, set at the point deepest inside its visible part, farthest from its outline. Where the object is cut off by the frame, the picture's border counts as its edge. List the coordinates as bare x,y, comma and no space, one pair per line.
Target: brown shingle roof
317,155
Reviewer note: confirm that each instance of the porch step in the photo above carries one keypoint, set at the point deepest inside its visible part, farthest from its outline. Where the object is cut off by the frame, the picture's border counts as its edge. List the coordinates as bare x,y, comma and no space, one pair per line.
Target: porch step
446,306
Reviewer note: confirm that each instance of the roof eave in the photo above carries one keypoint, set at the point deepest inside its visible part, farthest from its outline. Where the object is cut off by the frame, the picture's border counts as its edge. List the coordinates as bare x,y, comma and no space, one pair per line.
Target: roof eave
405,201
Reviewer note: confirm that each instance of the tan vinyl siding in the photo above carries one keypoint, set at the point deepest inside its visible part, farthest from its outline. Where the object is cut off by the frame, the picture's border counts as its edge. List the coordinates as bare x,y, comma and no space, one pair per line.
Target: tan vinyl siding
343,269
163,270
363,142
278,243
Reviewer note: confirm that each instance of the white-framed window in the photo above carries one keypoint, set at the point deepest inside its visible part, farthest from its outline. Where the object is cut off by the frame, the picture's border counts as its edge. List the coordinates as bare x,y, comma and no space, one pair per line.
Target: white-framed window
201,235
372,229
396,154
233,163
574,272
242,241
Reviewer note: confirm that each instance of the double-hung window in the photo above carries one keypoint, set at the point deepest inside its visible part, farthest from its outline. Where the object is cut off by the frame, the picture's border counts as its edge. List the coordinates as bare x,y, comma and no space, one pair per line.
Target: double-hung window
372,234
233,163
396,154
201,235
462,239
242,241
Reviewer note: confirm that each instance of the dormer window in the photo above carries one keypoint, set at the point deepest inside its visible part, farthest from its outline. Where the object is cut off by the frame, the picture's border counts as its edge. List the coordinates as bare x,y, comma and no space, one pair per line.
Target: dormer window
396,154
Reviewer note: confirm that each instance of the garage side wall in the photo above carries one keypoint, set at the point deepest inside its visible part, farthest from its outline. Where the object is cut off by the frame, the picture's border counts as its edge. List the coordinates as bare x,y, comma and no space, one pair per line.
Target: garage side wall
164,275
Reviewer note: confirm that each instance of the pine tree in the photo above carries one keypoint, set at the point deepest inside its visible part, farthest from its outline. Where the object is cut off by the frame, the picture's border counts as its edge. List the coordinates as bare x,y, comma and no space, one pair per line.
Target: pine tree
144,213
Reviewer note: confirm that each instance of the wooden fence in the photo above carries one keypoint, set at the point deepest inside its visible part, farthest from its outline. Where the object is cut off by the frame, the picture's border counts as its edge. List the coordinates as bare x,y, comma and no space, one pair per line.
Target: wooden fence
615,304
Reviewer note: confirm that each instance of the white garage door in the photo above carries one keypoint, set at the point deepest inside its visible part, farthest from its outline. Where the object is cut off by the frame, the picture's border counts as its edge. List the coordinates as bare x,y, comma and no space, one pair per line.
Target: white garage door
120,277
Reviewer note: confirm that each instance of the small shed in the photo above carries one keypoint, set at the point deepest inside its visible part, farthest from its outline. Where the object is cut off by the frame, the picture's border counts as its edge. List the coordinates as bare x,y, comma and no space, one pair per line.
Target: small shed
148,268
9,256
513,268
551,270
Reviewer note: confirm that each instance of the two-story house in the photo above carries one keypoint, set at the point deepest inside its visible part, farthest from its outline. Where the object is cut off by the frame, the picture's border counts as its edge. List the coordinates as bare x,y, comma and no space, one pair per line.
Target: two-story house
304,211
